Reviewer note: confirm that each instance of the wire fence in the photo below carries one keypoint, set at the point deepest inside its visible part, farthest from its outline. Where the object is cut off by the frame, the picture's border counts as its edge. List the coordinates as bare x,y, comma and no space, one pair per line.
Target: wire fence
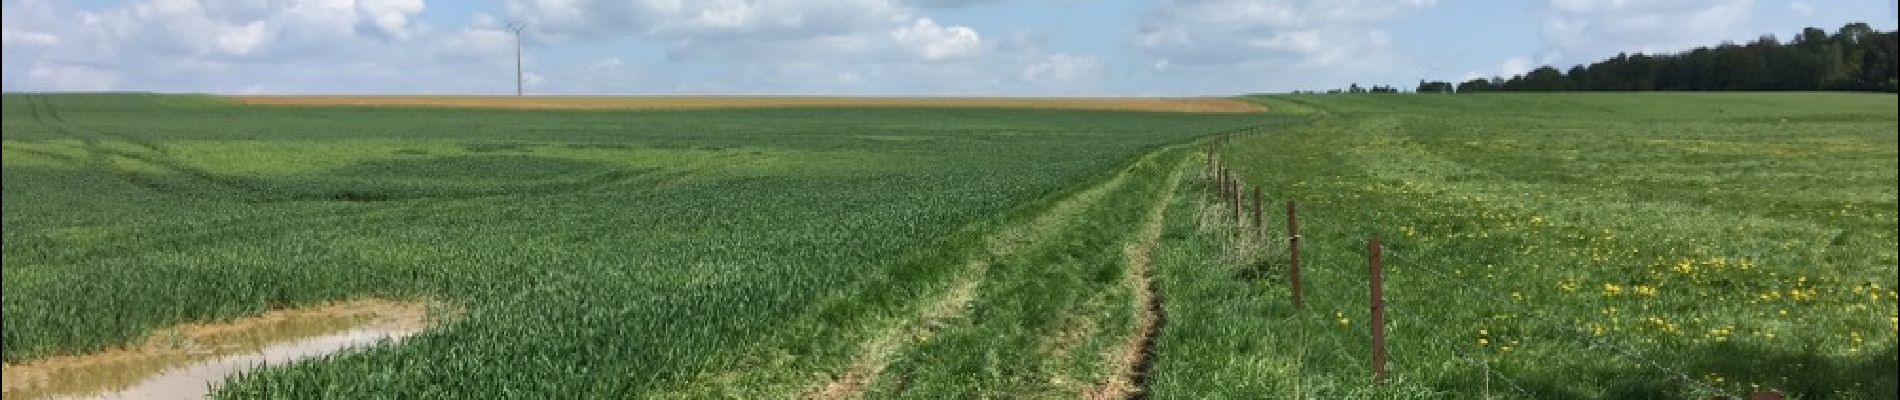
1227,191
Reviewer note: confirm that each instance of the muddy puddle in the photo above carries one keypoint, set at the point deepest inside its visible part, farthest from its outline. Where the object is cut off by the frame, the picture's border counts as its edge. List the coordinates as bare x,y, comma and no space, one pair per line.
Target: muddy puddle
190,361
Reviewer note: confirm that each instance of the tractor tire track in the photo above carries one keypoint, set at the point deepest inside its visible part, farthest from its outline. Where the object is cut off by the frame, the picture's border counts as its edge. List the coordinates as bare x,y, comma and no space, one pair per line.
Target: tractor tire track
98,155
873,358
1134,363
53,112
258,192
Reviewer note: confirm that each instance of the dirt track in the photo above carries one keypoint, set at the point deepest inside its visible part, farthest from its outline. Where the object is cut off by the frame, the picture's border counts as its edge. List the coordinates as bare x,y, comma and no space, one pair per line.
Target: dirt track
1172,104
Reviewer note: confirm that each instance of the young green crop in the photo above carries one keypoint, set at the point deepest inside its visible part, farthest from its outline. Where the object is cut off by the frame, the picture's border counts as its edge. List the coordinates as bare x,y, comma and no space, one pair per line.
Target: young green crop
594,253
1538,245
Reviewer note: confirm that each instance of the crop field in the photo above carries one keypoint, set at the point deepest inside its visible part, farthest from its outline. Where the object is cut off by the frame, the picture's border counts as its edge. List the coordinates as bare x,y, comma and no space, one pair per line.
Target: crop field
1536,245
1178,104
1659,245
742,252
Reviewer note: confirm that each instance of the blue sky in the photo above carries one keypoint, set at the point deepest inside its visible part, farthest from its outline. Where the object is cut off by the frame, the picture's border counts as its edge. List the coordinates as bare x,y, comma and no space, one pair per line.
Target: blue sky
863,47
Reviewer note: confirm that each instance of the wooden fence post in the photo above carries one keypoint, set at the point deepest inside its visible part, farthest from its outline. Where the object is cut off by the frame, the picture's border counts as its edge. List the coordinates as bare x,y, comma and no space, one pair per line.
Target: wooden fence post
1210,160
1293,252
1239,215
1224,179
1376,272
1258,225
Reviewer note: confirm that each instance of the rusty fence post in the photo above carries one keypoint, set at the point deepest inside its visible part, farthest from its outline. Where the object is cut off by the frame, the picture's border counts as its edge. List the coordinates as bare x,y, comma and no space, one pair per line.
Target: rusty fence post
1258,225
1223,183
1375,273
1233,188
1210,160
1239,214
1220,182
1293,252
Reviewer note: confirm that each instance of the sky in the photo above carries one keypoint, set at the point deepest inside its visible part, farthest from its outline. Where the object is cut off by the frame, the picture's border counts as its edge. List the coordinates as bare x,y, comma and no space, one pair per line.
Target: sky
853,47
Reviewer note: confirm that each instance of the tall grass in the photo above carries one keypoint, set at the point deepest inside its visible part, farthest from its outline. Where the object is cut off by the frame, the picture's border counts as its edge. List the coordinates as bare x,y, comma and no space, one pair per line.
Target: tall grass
1556,246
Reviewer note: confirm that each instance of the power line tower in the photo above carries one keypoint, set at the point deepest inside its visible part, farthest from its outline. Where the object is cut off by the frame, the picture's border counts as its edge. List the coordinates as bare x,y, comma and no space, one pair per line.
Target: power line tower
517,27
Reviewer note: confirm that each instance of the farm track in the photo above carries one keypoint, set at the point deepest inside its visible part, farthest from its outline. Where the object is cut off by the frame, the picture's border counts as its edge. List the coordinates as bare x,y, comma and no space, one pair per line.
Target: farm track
870,363
1135,359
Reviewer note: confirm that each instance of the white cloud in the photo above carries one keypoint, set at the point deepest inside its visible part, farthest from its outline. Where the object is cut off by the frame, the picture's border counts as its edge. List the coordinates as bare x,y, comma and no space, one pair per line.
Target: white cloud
1584,30
10,37
755,30
242,39
390,17
72,77
1062,68
936,43
1314,32
1802,8
727,46
706,21
1330,41
1515,66
242,45
846,46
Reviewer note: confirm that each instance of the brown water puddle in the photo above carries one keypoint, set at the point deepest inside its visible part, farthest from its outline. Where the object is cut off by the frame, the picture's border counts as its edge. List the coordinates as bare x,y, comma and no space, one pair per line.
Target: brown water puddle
188,361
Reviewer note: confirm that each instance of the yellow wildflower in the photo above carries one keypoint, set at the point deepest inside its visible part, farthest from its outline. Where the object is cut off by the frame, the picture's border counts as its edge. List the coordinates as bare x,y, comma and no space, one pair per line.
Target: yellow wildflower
1611,289
1645,290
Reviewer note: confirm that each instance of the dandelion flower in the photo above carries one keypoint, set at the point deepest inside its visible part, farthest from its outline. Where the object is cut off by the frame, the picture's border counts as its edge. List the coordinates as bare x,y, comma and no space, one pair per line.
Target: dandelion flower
1611,289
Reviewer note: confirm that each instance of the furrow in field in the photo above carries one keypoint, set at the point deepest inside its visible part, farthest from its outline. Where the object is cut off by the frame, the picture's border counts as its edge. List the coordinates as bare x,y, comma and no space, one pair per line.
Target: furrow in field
258,191
875,355
1133,361
101,156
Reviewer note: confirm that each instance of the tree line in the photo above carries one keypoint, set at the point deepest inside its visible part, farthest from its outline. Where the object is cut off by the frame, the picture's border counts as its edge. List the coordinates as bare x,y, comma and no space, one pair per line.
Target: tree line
1853,58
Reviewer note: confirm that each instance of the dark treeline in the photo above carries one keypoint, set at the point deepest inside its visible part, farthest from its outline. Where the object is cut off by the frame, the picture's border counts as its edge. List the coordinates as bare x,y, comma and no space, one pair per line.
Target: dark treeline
1854,58
1355,88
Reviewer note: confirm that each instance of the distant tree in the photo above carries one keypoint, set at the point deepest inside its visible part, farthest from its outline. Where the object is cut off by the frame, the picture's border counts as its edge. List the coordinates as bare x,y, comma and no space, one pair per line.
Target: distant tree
1578,79
1513,84
1434,87
1880,65
1855,32
1475,85
1544,79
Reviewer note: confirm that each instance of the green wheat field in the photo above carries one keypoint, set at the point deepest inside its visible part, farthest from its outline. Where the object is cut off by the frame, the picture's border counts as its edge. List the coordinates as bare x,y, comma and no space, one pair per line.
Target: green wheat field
1607,245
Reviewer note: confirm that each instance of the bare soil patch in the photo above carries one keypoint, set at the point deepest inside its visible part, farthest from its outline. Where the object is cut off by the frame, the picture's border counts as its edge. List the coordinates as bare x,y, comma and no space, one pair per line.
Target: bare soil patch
182,360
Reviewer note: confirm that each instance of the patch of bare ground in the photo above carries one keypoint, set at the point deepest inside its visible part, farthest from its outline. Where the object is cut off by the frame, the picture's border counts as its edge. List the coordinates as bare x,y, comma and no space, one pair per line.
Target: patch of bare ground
184,360
1167,104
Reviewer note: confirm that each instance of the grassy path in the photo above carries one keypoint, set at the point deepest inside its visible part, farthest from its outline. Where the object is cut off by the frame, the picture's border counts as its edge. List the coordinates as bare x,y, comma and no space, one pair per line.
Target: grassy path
1058,304
1133,361
875,356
